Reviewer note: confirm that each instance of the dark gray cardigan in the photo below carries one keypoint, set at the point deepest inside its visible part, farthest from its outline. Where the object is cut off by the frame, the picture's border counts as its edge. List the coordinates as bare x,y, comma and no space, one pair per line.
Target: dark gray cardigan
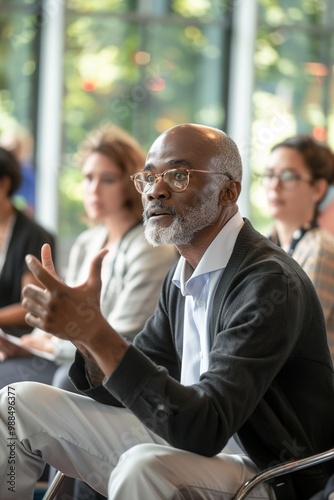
270,376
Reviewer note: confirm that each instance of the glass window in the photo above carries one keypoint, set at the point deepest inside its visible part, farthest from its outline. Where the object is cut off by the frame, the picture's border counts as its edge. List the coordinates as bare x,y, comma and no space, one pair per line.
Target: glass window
145,66
294,81
19,35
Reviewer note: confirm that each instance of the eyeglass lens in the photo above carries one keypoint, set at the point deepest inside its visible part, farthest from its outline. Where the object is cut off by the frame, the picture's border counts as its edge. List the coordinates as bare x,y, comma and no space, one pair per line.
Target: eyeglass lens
287,178
176,179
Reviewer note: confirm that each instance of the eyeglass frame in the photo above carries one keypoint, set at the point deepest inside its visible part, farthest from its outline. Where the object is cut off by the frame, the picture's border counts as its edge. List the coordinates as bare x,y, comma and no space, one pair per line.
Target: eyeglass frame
268,177
187,170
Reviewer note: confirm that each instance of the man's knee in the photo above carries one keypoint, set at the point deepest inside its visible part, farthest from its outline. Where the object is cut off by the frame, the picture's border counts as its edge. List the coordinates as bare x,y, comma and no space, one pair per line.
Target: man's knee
139,457
27,397
22,390
141,461
26,390
144,464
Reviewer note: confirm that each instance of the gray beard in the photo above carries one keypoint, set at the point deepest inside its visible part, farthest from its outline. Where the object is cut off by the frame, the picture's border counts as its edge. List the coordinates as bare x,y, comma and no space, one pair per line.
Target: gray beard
183,228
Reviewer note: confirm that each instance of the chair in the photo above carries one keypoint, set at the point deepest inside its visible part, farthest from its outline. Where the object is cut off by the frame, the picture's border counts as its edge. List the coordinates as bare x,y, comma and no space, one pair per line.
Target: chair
54,486
247,487
280,470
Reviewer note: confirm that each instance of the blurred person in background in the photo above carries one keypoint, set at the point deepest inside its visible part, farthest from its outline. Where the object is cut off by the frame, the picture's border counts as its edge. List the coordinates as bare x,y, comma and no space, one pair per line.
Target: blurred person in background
19,235
19,141
298,174
326,209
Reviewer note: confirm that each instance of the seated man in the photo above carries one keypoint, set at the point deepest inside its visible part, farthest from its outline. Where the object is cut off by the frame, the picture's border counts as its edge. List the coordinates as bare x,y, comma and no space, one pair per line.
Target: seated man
237,346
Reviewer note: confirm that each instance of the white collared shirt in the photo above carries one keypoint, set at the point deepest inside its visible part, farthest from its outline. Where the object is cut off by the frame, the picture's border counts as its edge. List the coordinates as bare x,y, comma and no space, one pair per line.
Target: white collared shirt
198,287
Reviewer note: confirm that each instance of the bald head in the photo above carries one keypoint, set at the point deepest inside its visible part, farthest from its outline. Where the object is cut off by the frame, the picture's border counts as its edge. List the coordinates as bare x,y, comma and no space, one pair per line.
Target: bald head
217,150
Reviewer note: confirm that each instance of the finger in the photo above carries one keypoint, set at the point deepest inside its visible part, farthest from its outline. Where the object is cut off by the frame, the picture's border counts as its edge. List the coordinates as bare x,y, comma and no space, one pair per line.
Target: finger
32,306
35,293
26,341
33,320
30,343
25,337
42,275
47,260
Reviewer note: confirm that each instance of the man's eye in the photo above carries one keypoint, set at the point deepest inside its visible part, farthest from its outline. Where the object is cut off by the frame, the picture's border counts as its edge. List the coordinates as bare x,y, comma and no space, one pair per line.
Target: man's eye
149,178
180,175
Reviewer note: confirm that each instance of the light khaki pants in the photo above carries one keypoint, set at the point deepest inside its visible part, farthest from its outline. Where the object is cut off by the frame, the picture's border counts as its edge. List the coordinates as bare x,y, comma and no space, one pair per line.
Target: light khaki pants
102,444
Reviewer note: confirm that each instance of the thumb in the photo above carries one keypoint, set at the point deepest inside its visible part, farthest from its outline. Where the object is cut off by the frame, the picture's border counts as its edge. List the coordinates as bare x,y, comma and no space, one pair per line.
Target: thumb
47,260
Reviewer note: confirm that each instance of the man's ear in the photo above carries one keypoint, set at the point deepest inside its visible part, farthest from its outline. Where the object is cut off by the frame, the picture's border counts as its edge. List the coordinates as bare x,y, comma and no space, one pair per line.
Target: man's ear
230,193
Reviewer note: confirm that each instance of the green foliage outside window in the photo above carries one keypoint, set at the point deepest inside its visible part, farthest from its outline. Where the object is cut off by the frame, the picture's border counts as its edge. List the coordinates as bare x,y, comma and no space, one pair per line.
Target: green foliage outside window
149,64
144,68
294,81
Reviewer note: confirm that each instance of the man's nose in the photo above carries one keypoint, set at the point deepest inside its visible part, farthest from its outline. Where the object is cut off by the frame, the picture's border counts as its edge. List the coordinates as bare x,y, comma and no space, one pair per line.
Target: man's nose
159,190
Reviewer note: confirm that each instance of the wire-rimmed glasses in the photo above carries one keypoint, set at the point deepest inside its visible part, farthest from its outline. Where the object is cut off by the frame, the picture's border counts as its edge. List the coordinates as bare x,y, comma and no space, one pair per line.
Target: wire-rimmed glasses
177,179
288,179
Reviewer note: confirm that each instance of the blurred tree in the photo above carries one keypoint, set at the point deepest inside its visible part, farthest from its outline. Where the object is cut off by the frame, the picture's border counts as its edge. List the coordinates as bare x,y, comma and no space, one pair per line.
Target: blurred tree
143,65
294,85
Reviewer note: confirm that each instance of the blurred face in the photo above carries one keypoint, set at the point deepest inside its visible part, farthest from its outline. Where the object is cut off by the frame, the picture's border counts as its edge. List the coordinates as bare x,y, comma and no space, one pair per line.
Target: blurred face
291,194
103,187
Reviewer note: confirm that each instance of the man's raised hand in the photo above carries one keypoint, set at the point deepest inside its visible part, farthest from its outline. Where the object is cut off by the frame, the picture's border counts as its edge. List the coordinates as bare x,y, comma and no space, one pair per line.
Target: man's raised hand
57,308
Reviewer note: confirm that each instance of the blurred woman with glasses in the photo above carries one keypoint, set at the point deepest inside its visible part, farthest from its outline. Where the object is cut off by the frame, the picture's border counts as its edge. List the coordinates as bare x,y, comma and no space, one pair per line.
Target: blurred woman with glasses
297,176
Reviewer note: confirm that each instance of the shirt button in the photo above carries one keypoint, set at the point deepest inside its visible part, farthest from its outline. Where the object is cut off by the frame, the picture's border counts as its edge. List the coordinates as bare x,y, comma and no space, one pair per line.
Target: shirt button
199,303
161,411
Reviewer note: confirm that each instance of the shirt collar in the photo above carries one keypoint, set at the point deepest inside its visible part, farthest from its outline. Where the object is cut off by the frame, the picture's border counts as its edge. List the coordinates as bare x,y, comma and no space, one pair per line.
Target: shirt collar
215,257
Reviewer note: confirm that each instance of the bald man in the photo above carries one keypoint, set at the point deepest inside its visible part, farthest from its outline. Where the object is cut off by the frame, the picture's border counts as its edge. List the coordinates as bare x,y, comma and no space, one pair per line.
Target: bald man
236,347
